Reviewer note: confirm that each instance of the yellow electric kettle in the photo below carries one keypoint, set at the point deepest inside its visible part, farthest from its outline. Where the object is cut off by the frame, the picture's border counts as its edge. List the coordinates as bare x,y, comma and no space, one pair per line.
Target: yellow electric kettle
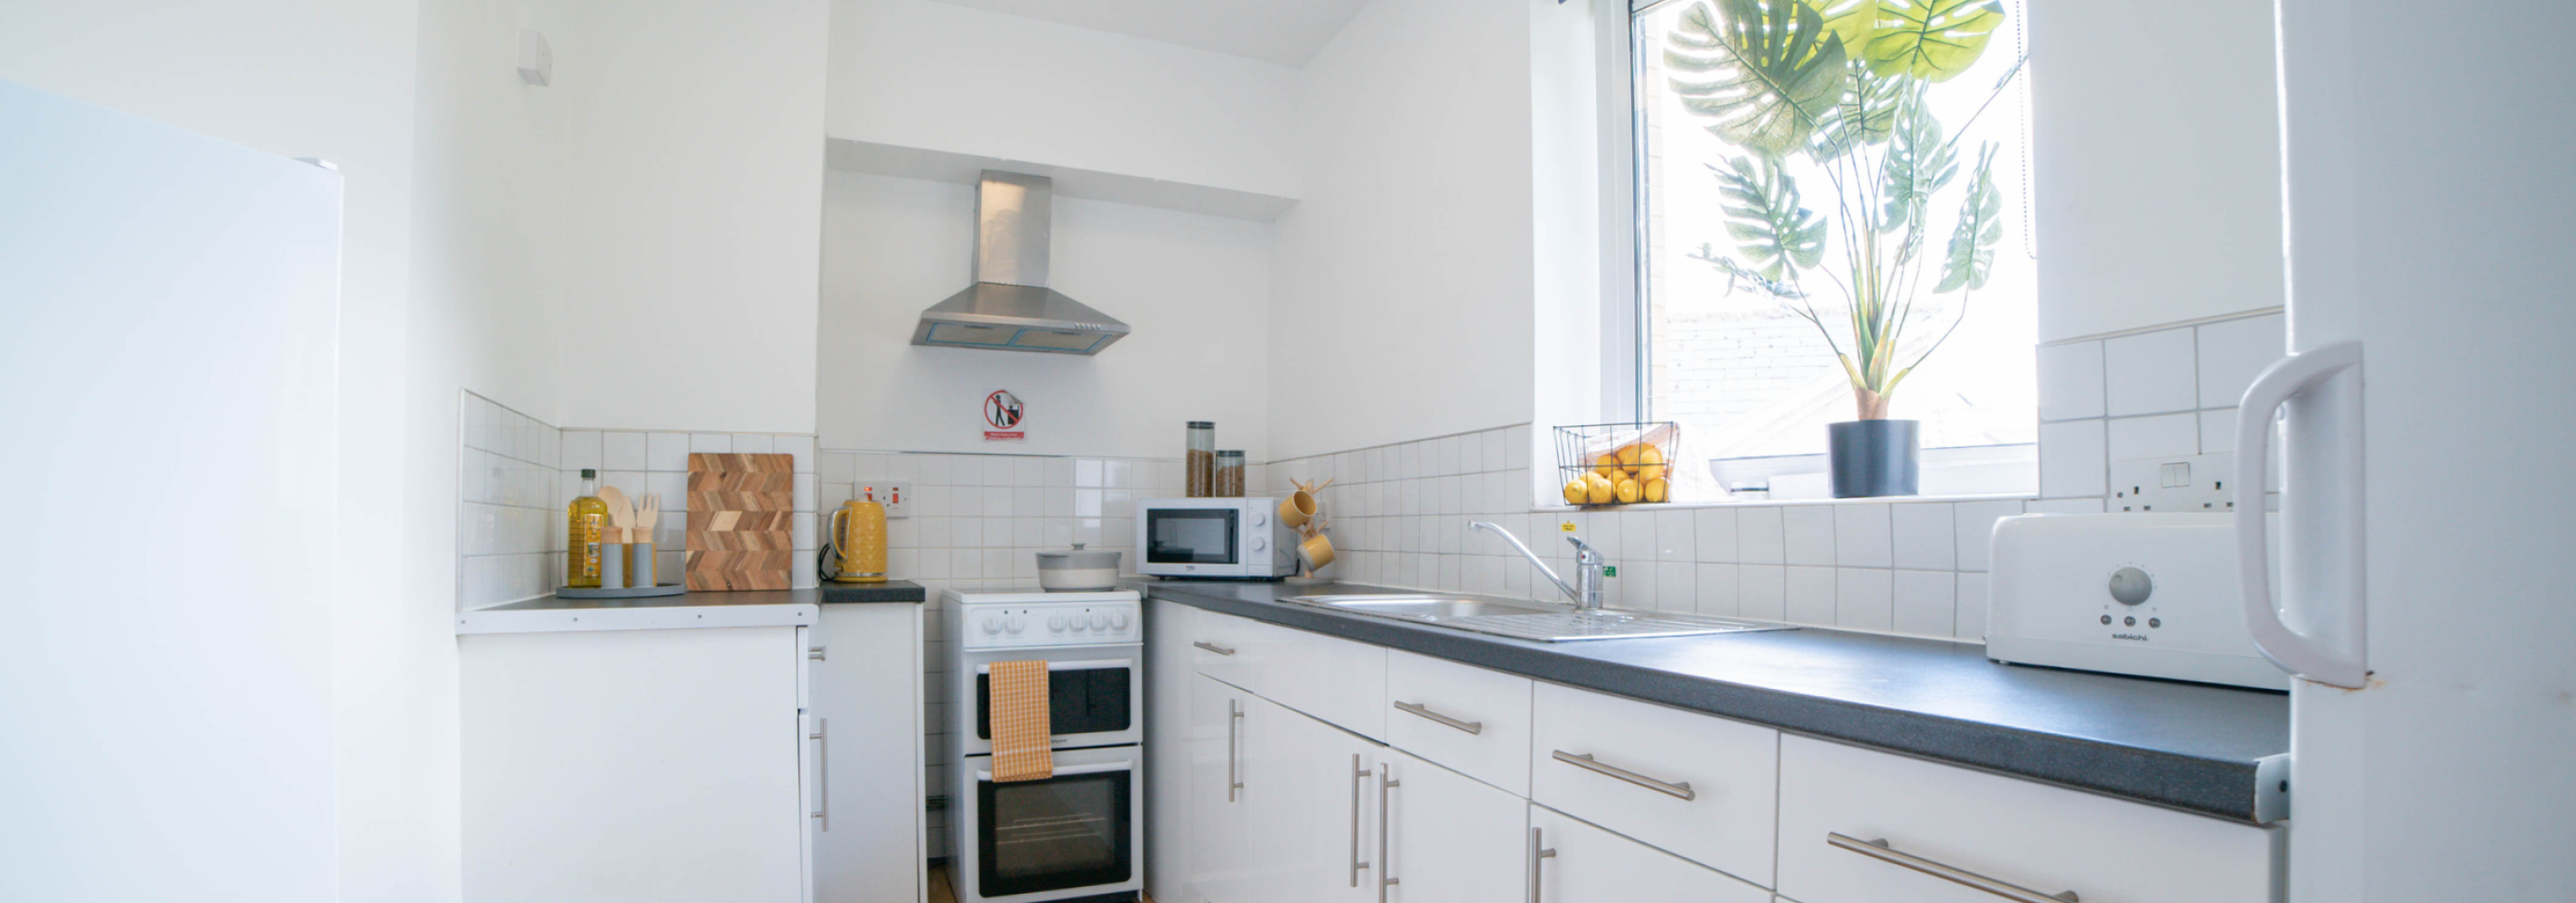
859,541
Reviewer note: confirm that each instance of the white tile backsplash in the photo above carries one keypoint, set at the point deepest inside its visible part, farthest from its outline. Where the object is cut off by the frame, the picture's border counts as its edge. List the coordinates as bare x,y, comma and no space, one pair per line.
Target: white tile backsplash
1861,536
1864,599
1807,532
2231,353
2149,373
2070,381
1811,594
1922,535
2162,435
2072,459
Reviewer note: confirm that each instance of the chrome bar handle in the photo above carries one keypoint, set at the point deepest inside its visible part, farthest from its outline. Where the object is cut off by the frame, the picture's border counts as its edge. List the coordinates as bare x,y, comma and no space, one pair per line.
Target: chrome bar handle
822,771
816,652
1385,865
1356,774
1234,717
1879,850
1212,647
1416,708
1586,762
1535,854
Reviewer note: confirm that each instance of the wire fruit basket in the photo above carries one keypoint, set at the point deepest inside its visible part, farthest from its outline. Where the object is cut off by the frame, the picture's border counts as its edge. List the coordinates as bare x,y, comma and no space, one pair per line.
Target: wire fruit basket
1618,463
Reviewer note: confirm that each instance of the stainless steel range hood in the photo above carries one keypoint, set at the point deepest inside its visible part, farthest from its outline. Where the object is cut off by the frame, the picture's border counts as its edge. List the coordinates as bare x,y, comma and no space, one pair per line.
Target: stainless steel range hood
1009,308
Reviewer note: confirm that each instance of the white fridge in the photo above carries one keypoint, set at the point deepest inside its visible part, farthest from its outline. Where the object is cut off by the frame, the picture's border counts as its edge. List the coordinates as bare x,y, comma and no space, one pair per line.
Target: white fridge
2428,563
168,342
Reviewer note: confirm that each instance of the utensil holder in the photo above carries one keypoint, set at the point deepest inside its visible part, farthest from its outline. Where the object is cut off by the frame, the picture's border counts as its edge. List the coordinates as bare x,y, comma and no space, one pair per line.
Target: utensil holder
639,565
612,565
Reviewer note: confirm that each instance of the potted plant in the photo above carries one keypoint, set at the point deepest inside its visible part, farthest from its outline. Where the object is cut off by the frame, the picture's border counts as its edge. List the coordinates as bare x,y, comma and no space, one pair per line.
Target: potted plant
1843,84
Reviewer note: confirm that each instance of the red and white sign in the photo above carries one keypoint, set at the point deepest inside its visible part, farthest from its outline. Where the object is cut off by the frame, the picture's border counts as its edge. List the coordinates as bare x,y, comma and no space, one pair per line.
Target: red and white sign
1003,413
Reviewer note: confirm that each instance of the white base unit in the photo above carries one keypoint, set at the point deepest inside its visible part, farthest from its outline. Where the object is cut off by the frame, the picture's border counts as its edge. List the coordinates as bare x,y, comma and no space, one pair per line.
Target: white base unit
633,766
1575,862
1702,787
1858,826
865,661
1445,837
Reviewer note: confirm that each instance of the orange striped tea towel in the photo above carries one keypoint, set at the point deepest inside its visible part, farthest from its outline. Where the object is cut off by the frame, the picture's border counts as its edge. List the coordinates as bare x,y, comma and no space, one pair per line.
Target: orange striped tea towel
1020,725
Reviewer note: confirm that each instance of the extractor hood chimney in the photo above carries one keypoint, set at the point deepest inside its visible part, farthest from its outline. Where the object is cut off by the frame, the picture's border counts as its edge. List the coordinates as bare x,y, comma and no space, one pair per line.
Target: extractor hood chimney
1009,308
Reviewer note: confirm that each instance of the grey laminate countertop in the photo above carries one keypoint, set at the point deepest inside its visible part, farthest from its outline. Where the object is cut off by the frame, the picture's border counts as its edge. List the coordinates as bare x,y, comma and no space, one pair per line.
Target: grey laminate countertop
2205,749
751,608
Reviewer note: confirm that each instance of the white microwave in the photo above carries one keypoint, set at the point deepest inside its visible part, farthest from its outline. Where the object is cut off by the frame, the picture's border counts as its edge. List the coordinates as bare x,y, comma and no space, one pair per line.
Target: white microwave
1221,538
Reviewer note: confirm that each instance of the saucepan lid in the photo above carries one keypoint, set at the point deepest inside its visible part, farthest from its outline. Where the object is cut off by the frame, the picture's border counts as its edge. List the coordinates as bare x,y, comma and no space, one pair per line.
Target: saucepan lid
1077,558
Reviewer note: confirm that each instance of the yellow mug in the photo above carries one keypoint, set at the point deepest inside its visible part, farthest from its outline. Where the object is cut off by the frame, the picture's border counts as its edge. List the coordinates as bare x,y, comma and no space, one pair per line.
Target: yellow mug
1316,551
1297,509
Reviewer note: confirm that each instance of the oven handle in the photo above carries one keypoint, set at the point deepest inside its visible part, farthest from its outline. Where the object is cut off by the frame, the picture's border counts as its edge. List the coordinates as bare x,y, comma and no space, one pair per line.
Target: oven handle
1089,664
986,776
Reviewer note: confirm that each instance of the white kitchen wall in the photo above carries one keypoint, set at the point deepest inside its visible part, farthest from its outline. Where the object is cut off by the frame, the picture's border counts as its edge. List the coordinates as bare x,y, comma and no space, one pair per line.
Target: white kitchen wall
918,74
1195,288
1405,284
696,202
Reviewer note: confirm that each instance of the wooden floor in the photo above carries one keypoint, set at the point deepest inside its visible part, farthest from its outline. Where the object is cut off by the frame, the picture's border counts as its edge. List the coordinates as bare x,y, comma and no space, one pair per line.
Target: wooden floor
941,892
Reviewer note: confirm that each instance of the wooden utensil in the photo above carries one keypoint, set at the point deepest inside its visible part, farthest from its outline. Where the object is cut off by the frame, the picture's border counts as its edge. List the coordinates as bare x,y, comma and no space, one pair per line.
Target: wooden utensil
621,515
742,510
649,515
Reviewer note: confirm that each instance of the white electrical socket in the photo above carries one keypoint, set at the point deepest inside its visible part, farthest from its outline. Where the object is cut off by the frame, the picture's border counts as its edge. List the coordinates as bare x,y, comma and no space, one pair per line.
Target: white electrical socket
894,494
2181,483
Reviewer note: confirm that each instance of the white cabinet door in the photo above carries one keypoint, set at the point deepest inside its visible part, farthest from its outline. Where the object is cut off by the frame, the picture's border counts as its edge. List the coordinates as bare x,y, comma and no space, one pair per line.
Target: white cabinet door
634,766
1340,682
1446,837
865,664
1461,716
1579,863
1220,867
1703,787
1168,677
1311,788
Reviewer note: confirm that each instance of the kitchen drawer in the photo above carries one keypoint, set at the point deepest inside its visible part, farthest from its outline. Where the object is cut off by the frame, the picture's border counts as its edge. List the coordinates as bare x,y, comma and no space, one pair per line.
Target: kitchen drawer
1227,648
1590,865
2046,840
1472,720
1339,682
1701,787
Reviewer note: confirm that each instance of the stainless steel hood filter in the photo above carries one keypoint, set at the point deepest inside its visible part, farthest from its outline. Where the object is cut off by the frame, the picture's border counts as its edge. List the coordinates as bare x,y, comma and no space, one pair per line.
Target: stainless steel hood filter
1009,308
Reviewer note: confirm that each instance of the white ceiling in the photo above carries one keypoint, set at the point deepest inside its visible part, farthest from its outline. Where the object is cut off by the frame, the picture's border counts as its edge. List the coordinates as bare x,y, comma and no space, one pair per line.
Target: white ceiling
1286,32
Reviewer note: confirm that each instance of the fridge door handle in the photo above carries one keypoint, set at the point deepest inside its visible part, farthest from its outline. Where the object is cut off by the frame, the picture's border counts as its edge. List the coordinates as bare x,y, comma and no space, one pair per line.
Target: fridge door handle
2303,656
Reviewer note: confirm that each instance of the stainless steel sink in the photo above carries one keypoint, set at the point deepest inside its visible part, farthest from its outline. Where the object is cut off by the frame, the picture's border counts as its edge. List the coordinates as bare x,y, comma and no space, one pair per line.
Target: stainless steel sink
1530,620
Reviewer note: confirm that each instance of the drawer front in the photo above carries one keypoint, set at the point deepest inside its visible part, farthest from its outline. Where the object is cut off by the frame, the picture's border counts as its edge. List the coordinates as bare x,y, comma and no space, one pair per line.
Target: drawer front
1339,682
1467,718
1644,759
1580,863
2044,840
1227,648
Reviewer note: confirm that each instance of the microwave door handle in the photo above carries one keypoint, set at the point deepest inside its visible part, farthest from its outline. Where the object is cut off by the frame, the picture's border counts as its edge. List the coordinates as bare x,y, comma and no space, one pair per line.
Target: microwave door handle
2327,503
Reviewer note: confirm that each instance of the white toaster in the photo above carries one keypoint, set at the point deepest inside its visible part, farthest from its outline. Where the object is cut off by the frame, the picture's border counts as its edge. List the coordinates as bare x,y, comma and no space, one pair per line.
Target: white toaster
2148,594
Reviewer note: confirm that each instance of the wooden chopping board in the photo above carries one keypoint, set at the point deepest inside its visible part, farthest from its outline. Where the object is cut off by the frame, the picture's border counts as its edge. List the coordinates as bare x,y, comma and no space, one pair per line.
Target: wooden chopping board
742,532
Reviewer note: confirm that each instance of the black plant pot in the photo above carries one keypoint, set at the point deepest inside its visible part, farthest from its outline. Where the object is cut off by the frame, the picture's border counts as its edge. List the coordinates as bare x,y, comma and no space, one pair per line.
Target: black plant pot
1875,457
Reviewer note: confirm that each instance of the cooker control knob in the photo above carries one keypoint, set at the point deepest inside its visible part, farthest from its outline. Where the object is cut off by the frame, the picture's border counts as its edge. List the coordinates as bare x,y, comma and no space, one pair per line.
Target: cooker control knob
1055,622
1013,624
1099,622
1120,621
1260,543
1078,626
992,623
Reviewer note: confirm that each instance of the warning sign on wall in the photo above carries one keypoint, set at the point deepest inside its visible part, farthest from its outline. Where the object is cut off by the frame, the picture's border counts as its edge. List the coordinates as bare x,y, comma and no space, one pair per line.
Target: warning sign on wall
1002,416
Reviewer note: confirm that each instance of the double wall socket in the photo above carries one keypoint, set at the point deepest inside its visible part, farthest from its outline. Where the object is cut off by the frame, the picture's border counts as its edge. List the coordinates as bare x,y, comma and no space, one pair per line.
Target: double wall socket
896,495
2182,483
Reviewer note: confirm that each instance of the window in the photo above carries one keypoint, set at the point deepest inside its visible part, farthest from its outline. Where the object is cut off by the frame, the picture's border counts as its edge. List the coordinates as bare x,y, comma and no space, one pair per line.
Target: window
1782,171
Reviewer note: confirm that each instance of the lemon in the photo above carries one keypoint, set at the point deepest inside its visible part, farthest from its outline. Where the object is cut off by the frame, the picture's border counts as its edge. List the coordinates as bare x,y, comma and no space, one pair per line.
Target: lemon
1650,463
1600,492
1655,490
1628,491
1628,455
1577,490
1605,464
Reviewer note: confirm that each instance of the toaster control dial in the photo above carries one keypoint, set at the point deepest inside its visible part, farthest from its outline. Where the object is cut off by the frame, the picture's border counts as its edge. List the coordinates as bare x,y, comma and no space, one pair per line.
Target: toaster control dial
2131,586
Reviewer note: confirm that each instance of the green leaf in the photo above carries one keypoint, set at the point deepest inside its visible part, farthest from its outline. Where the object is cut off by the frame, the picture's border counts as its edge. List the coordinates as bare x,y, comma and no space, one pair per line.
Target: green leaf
1919,163
1866,114
1763,216
1854,21
1767,70
1972,244
1933,40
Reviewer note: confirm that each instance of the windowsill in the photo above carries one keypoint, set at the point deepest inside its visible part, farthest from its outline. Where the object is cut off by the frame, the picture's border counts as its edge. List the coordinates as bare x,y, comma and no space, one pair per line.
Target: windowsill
1782,503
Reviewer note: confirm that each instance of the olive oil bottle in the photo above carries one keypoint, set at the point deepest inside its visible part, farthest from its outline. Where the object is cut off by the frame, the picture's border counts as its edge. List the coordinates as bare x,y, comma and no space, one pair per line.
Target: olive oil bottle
587,517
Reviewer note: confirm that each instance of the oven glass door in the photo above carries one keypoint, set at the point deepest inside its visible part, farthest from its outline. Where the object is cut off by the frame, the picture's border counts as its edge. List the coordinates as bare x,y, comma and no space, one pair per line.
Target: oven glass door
1097,699
1192,535
1068,831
